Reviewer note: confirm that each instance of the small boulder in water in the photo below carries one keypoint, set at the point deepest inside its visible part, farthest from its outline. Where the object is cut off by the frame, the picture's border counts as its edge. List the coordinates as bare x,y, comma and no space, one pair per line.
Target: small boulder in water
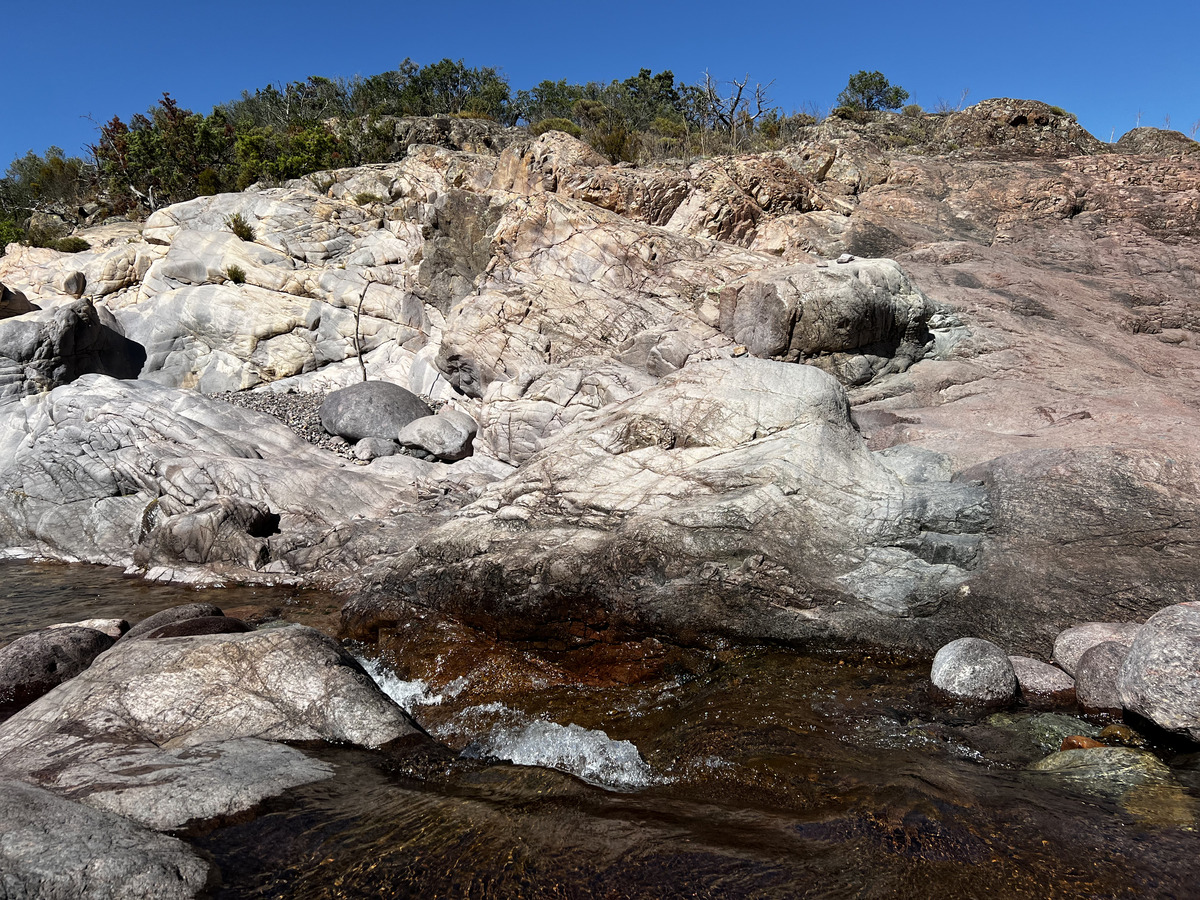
1096,676
1071,644
37,663
1160,677
974,669
198,625
169,616
1041,683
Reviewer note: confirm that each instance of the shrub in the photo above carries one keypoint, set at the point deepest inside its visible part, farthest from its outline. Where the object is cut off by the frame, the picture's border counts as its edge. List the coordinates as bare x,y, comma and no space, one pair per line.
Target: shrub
913,110
238,225
364,198
10,232
557,124
871,91
70,245
236,274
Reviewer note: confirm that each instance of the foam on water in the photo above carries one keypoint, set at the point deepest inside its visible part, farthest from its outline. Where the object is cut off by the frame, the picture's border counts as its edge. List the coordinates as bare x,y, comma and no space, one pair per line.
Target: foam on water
409,695
586,752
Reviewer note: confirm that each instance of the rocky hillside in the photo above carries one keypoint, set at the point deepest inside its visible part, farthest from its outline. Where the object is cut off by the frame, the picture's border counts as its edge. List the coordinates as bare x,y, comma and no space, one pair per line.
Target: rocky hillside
903,380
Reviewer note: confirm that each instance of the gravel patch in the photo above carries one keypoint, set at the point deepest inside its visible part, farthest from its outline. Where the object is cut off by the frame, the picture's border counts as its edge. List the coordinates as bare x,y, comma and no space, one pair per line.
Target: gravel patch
299,412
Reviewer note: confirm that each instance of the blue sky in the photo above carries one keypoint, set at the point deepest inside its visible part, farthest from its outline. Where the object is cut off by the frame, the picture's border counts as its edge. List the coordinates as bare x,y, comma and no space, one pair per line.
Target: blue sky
1104,61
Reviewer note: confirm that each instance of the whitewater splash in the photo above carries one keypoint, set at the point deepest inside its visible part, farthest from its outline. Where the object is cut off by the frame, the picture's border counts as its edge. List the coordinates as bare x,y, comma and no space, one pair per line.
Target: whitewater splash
587,753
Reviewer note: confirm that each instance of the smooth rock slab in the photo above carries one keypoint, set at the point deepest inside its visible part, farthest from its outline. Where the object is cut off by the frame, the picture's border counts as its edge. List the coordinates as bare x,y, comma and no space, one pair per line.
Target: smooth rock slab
53,849
1096,676
371,409
35,664
1071,644
180,729
1042,683
1160,678
974,669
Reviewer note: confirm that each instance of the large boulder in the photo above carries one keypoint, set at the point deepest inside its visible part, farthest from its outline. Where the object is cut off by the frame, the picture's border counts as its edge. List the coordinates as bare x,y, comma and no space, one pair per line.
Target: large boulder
371,409
180,729
444,437
974,669
1160,677
37,663
41,350
734,497
54,849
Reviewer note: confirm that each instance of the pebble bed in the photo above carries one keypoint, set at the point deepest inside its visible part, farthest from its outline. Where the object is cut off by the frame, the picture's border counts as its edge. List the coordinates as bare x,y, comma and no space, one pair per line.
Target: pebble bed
298,411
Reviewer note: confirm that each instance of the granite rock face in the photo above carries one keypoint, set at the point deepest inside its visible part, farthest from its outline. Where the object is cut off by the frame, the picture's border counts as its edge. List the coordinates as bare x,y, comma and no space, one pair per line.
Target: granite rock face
1016,319
174,730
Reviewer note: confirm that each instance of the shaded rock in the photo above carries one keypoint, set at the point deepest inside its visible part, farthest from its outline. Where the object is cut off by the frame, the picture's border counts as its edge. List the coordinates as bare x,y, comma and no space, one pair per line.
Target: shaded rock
170,616
198,625
114,628
54,849
371,409
442,437
1071,644
1096,676
1122,736
180,729
866,308
41,350
974,669
1160,678
37,663
1042,683
374,447
13,303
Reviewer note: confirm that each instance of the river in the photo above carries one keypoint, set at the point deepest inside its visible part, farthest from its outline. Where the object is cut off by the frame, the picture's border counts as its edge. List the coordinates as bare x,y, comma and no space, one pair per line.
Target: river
650,771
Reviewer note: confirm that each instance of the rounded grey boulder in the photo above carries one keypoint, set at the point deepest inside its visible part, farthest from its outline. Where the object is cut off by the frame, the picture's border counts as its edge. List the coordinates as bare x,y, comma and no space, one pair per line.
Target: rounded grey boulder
440,436
1041,683
1160,677
974,669
1071,644
1096,676
371,409
37,663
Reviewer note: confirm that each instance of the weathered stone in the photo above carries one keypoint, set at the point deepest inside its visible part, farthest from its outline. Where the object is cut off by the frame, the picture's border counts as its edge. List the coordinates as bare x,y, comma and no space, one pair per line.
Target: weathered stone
374,447
13,303
37,663
974,669
1080,742
1160,678
114,628
1096,676
198,625
1045,731
440,436
1042,683
41,350
371,409
1071,644
170,616
179,729
1136,778
53,849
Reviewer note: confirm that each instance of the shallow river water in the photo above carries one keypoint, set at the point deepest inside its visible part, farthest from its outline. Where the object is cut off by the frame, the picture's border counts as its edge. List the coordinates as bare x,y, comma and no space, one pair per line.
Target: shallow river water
650,772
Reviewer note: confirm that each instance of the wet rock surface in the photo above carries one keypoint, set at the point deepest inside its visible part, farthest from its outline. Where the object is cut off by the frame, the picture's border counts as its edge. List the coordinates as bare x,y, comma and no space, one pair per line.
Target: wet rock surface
1160,677
974,669
37,663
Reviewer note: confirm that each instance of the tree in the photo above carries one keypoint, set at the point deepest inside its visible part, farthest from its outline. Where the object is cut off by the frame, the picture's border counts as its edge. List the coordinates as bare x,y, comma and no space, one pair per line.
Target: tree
872,91
729,107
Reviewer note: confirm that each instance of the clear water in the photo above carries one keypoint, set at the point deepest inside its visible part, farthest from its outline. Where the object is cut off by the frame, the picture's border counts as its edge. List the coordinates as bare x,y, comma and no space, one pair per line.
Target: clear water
649,772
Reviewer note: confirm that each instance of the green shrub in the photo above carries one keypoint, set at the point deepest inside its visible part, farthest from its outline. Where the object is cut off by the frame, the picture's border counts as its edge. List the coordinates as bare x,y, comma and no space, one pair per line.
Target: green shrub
913,110
235,274
238,225
871,91
365,199
70,245
564,125
10,233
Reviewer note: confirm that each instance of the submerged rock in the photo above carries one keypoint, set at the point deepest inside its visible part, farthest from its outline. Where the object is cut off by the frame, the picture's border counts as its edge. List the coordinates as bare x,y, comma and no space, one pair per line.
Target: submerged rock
1160,678
974,669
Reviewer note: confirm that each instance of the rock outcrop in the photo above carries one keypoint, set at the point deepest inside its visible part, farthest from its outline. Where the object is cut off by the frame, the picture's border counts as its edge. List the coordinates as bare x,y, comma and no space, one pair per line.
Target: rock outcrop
1017,335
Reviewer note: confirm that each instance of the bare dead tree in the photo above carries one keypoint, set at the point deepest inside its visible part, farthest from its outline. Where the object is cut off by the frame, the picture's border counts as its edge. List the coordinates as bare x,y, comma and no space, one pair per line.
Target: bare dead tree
362,365
730,105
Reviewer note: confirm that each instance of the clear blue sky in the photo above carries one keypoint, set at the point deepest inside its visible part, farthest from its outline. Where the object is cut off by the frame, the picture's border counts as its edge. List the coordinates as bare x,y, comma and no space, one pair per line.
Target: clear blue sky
1102,60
